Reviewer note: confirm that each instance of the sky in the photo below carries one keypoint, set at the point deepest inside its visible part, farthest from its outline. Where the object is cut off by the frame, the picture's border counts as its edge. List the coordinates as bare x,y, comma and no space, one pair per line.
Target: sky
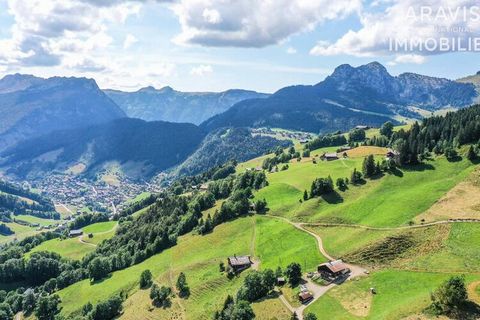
215,45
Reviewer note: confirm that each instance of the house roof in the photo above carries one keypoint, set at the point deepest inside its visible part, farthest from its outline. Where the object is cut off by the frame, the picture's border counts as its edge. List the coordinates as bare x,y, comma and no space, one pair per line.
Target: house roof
76,231
331,155
305,295
239,261
335,266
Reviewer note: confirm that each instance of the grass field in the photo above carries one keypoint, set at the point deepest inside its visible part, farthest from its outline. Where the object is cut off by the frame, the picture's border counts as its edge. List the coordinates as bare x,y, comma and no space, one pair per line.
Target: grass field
399,294
21,232
72,247
40,221
392,200
199,257
69,248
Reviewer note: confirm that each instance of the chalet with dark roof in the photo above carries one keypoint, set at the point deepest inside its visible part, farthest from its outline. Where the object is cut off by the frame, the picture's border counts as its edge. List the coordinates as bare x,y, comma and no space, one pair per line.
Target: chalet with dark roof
333,269
239,263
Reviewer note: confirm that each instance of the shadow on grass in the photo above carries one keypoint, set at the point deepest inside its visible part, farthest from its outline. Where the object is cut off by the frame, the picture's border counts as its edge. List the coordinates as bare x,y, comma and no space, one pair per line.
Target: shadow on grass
95,282
332,197
469,311
396,172
419,167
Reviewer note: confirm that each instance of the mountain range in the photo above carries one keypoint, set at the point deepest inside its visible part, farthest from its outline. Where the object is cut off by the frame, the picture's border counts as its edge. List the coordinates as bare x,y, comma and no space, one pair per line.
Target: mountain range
51,124
168,104
364,95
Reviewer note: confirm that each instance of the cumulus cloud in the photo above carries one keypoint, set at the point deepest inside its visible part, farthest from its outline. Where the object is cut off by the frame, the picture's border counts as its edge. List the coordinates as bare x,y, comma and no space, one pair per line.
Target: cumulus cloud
413,27
253,23
45,31
408,59
201,70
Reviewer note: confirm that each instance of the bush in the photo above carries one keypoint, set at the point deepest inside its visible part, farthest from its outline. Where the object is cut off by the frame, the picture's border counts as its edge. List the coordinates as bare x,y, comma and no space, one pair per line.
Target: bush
145,279
450,296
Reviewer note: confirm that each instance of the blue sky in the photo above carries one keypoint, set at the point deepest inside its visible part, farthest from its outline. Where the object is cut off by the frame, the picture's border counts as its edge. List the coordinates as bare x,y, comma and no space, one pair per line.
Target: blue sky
213,45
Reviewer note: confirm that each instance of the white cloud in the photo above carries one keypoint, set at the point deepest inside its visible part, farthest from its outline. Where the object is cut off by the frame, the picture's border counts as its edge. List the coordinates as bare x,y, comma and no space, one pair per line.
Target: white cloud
46,31
405,21
201,70
408,59
253,23
212,16
130,39
291,50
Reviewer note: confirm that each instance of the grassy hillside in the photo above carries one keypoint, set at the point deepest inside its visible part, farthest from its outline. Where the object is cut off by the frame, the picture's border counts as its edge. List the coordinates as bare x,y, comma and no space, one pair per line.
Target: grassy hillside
199,257
77,248
403,195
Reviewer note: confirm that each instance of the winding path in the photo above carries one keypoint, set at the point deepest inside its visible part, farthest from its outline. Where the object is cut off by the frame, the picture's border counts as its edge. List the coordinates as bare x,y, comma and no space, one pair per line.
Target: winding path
356,271
316,290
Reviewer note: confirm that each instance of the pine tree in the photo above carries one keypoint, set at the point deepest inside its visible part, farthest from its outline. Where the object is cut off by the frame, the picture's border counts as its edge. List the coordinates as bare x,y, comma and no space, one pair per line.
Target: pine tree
471,155
305,195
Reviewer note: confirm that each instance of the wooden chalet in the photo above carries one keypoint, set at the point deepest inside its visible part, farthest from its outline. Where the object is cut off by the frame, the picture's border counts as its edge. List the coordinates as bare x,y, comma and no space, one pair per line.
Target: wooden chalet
329,156
239,263
333,269
75,233
305,296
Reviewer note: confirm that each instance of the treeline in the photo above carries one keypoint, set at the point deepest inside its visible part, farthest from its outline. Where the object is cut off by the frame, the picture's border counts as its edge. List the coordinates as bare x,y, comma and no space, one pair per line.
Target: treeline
440,135
12,200
333,140
13,189
86,219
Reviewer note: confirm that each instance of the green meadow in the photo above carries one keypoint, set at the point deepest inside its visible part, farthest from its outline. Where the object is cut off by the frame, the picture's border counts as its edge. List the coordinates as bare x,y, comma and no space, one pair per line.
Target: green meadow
399,294
70,248
199,257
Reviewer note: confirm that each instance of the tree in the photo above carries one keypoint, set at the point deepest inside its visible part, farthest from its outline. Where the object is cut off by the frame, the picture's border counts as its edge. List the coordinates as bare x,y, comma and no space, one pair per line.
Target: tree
356,135
28,304
356,176
294,316
310,316
368,167
107,310
47,307
182,287
387,129
341,184
98,268
294,273
145,279
451,154
160,296
242,311
450,296
305,195
257,285
471,154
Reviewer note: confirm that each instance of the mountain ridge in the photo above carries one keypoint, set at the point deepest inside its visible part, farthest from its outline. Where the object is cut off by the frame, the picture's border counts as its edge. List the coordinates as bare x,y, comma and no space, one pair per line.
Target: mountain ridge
168,104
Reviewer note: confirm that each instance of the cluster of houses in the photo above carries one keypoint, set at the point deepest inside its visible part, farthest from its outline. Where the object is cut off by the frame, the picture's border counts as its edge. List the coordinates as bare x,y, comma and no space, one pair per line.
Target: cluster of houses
81,192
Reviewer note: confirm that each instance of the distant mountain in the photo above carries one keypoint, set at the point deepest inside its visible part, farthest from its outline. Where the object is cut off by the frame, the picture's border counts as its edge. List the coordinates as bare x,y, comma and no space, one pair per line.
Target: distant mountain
33,106
228,144
170,105
17,82
473,79
140,148
350,96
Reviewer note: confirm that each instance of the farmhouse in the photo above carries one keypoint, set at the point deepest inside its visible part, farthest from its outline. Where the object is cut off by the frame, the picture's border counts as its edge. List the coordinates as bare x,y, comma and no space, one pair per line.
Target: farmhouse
305,296
329,156
333,269
392,154
75,233
239,263
362,127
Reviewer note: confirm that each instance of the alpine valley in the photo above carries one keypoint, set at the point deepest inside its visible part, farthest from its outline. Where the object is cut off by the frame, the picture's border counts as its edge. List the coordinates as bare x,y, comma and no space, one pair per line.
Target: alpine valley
354,198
